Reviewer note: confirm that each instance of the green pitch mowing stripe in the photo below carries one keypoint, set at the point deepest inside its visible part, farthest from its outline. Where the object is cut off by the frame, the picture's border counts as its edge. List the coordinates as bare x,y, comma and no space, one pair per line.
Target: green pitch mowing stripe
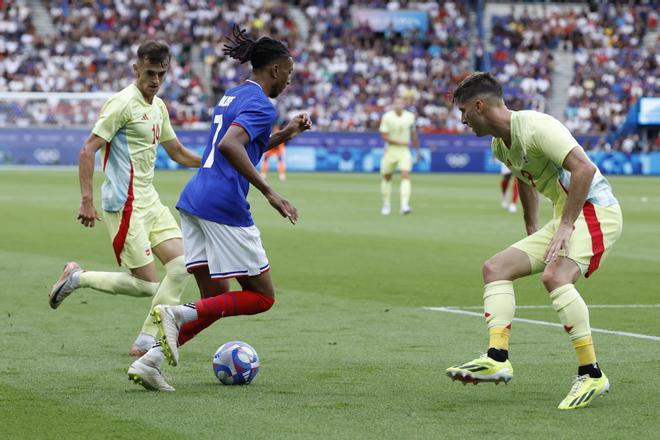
346,352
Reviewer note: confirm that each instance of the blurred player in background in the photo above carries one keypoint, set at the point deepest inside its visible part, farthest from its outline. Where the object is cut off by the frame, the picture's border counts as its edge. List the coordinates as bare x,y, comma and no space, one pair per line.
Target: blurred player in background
220,238
397,128
509,198
278,152
131,125
587,220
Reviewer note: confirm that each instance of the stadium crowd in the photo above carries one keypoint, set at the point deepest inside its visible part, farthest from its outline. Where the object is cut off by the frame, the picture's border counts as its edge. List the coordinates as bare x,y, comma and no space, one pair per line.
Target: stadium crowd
346,73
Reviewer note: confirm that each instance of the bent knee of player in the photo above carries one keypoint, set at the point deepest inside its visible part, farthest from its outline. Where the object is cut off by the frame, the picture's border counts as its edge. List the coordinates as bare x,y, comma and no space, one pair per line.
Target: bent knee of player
554,277
493,270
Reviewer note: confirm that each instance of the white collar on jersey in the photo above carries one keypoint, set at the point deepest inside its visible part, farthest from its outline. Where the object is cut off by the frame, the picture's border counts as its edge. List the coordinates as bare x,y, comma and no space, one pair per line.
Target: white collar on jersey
254,82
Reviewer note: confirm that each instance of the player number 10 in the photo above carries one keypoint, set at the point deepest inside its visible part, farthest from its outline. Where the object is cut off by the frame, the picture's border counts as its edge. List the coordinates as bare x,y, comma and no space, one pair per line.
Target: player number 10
155,129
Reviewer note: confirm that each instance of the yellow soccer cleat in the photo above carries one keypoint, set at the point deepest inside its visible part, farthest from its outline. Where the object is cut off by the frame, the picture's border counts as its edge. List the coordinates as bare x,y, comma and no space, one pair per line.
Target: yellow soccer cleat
585,389
483,369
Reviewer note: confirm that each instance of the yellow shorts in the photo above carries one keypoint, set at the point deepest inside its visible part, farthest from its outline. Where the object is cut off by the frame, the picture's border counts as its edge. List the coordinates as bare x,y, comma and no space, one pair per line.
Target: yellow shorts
134,232
396,156
596,230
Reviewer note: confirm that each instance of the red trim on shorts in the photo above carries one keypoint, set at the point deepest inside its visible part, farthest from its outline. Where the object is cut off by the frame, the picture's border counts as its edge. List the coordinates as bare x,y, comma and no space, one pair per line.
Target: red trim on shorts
107,154
597,245
120,239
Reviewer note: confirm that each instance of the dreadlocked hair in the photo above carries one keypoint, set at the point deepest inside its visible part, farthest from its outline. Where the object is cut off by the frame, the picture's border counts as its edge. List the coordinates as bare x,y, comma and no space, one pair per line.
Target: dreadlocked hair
259,53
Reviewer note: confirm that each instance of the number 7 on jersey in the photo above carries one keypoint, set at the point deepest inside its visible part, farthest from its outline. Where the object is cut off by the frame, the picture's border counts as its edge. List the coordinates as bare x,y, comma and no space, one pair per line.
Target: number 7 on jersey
217,119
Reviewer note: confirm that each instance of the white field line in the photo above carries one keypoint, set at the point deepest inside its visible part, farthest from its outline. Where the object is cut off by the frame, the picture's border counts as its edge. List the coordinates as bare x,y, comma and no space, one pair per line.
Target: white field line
545,323
591,306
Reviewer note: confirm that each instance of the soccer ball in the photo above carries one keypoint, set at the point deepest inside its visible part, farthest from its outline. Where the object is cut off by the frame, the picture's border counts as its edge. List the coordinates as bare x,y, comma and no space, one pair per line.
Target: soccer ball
235,363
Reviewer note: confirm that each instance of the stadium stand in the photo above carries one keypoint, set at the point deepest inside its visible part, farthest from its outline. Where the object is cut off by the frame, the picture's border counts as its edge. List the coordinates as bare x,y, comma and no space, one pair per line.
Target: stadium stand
346,72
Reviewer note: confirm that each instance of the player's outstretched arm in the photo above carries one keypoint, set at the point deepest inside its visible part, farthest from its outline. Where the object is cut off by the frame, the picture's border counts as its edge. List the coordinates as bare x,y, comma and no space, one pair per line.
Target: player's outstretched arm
232,147
182,155
297,125
87,213
529,199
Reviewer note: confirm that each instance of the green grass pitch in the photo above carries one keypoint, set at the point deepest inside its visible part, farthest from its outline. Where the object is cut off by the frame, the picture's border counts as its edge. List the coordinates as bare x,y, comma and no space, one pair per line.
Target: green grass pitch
348,351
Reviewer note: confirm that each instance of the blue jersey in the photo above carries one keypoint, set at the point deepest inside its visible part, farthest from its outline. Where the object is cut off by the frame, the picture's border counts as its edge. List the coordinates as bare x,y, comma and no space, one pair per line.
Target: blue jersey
218,192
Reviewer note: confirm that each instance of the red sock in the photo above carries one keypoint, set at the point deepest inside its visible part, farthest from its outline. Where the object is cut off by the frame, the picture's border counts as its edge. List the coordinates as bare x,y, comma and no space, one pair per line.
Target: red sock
209,310
514,199
504,183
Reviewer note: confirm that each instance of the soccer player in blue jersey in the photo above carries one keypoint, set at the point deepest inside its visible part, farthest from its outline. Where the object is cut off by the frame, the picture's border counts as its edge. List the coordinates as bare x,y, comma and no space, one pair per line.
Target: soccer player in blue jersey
220,238
545,158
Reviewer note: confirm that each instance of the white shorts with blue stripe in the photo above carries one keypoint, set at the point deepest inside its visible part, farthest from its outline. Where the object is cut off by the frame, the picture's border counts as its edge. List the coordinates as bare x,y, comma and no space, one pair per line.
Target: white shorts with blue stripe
228,251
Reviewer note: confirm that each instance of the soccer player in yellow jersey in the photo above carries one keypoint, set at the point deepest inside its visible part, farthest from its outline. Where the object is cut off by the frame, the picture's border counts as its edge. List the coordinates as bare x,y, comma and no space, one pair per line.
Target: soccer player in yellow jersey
587,220
131,125
397,127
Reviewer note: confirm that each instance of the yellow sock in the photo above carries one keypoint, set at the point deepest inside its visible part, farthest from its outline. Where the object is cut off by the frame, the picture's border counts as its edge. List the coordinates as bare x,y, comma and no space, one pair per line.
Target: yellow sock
121,283
170,290
405,192
584,348
498,337
499,308
573,312
386,191
574,315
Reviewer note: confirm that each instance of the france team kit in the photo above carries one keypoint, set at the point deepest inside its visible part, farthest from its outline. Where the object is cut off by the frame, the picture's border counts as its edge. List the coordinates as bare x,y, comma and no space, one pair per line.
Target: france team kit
218,229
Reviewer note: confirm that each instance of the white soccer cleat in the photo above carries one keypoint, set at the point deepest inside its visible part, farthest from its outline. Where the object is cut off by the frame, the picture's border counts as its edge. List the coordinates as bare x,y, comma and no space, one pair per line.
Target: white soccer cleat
168,330
405,210
143,373
513,208
64,285
505,204
386,210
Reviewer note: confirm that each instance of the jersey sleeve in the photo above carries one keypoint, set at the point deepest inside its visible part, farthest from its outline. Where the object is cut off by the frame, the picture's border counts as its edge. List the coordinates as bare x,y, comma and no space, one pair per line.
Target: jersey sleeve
167,132
115,114
553,139
385,124
256,119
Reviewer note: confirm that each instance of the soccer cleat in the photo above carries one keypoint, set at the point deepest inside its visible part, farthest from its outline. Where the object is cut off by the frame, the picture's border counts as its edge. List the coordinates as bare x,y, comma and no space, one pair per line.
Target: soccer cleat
405,210
64,285
148,376
505,204
168,330
584,390
386,210
513,208
483,369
